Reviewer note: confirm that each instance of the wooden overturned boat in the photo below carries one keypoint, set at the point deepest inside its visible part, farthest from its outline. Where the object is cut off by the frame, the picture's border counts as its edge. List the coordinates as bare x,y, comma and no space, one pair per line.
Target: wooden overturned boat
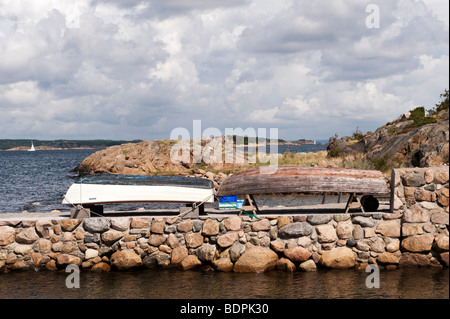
96,190
293,179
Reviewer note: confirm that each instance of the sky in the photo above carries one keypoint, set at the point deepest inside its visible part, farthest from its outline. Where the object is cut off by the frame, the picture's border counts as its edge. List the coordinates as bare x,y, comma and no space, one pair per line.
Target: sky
130,69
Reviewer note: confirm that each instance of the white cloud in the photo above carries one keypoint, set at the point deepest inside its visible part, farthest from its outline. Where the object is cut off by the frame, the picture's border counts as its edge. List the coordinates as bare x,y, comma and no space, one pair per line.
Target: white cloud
133,69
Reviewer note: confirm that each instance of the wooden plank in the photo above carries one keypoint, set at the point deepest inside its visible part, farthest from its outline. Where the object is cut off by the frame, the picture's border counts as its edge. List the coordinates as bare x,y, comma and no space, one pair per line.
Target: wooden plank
353,201
301,179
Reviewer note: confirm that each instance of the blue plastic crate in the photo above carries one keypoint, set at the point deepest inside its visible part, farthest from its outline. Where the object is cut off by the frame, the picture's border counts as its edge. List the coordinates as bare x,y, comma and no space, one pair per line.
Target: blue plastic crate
229,199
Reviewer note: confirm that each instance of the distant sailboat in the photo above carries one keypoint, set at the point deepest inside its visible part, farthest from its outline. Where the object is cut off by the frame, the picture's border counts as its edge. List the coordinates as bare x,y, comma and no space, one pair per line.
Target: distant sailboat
32,149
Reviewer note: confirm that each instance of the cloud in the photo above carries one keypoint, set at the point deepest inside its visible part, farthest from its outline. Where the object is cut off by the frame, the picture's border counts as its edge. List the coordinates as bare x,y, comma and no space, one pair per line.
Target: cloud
138,69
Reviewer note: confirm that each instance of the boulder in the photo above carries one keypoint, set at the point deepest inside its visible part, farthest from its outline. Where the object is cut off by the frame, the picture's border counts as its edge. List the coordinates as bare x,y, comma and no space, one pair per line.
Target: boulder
326,233
283,221
261,225
440,218
414,260
393,245
364,221
285,264
90,253
172,241
45,228
256,259
66,259
44,246
358,232
444,258
277,246
190,262
193,240
157,259
418,243
441,176
388,258
120,223
66,224
210,227
378,245
101,267
233,223
308,265
111,236
178,255
344,229
227,239
156,240
223,264
340,258
138,222
96,225
297,254
7,235
27,236
413,179
411,229
23,249
318,219
125,259
441,243
206,252
236,250
294,230
389,228
157,226
185,226
416,214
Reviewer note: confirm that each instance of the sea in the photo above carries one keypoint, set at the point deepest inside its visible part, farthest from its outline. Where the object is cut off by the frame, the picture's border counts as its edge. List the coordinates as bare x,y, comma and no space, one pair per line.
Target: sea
36,182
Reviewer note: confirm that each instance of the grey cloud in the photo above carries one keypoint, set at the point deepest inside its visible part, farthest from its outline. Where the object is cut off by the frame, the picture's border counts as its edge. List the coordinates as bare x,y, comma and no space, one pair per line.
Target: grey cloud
138,71
167,8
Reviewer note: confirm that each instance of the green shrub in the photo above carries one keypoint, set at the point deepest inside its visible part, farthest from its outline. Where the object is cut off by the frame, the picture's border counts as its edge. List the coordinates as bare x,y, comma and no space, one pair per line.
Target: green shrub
382,163
442,105
357,135
419,118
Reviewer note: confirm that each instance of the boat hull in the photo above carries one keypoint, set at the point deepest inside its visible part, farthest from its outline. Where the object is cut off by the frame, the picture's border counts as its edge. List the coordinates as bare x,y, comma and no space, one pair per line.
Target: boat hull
98,190
276,180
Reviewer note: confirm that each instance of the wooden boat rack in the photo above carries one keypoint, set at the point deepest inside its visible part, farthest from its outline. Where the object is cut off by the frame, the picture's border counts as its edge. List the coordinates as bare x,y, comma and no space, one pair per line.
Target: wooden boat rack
361,185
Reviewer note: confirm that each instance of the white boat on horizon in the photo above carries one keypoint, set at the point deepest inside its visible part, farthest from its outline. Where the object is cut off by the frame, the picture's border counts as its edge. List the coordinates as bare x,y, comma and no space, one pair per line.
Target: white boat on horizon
109,189
32,149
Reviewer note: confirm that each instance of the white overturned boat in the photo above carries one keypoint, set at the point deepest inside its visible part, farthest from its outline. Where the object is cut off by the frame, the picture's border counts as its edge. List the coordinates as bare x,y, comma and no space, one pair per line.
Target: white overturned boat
106,189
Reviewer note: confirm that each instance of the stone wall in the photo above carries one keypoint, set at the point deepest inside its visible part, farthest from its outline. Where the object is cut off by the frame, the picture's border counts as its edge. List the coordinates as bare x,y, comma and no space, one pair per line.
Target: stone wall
416,233
421,195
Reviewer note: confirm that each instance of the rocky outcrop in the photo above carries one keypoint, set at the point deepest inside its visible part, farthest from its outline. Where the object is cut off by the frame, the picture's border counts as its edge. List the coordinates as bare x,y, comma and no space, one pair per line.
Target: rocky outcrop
133,158
401,143
161,157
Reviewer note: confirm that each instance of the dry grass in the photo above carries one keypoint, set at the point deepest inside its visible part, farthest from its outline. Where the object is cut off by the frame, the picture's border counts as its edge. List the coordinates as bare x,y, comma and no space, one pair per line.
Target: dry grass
321,159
